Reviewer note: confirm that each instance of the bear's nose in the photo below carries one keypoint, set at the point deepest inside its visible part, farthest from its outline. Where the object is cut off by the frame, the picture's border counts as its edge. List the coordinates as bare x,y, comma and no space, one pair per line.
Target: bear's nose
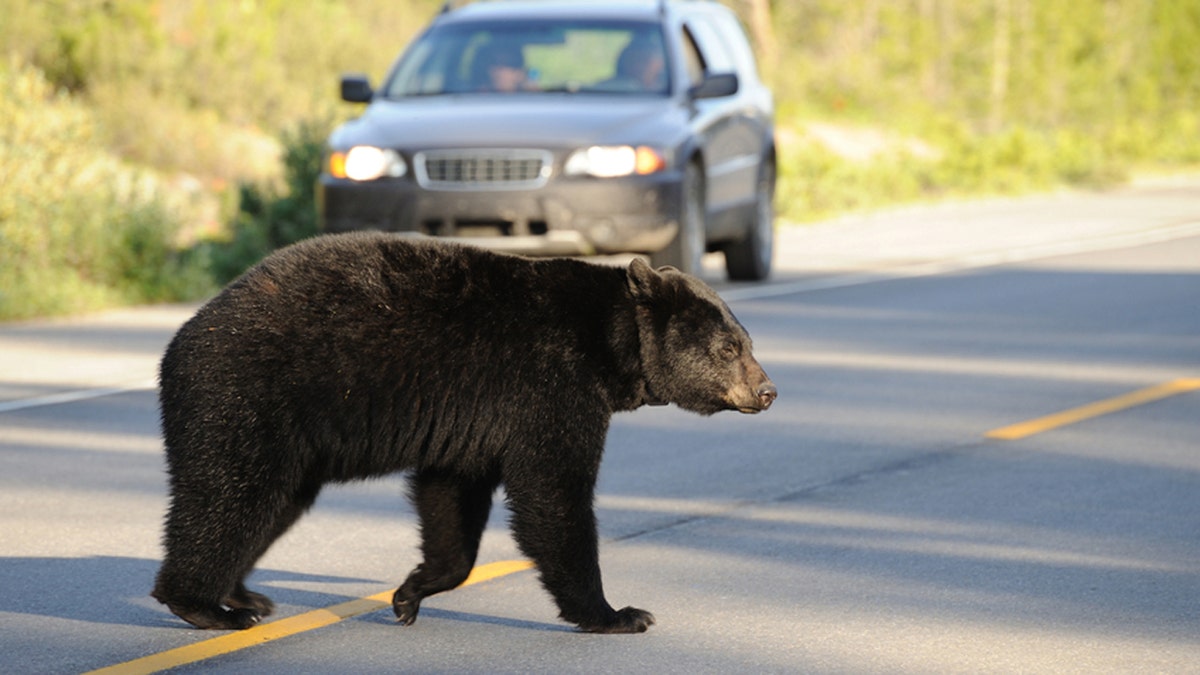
766,394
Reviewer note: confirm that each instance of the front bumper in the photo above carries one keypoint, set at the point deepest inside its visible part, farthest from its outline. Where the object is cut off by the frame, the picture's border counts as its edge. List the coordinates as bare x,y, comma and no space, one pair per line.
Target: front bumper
566,216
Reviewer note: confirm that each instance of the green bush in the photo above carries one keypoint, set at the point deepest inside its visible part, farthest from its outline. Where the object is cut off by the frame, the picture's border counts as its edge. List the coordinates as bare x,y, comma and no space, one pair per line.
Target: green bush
82,230
270,217
79,229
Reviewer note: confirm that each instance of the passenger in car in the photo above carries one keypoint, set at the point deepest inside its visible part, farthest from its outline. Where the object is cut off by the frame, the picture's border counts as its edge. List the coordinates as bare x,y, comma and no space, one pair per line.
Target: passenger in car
641,66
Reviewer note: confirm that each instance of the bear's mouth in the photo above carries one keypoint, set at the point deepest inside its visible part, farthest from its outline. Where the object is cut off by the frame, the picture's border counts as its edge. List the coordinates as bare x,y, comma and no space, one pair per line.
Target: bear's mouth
650,398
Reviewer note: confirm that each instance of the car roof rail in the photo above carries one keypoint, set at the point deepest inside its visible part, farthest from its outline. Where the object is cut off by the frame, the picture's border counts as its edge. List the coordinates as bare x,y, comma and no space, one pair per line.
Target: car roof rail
451,5
662,6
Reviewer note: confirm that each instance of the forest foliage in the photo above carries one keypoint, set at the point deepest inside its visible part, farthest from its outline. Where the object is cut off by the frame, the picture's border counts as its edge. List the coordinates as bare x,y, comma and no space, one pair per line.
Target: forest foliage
151,149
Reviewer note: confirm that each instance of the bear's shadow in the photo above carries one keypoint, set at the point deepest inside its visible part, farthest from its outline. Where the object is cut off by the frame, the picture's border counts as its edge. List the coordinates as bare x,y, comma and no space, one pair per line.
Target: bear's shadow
115,590
428,613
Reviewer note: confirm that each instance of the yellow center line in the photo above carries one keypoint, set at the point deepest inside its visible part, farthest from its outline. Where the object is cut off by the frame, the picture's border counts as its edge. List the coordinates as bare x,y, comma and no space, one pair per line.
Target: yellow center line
1134,398
263,633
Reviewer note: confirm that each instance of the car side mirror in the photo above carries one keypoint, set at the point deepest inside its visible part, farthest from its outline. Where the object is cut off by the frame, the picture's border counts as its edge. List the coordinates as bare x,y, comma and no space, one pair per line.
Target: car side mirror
356,89
715,86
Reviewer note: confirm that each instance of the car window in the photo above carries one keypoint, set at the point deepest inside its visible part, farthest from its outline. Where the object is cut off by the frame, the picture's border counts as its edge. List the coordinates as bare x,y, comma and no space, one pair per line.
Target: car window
692,59
712,48
533,57
734,38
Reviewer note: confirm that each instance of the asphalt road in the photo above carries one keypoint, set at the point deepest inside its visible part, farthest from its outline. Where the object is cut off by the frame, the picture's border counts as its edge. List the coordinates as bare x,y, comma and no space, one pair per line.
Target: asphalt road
871,521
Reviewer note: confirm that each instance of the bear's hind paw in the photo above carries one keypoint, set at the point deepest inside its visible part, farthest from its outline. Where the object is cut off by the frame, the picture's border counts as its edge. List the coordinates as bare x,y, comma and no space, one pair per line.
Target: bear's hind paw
242,618
244,599
218,618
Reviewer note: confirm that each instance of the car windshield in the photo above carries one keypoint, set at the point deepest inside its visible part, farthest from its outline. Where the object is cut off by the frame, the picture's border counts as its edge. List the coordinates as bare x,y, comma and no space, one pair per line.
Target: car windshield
534,57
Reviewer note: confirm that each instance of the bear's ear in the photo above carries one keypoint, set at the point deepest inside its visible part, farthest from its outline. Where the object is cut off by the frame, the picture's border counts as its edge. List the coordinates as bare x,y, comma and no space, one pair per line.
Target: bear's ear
643,281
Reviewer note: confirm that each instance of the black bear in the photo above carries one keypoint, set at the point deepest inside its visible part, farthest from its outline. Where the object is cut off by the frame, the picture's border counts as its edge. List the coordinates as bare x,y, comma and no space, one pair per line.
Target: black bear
350,356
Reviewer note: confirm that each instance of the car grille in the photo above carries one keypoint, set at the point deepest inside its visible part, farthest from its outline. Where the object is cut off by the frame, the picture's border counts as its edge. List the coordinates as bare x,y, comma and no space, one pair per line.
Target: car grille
482,169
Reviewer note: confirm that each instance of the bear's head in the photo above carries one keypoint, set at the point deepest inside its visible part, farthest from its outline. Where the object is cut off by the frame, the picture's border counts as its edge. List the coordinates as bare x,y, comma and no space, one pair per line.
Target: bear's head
694,352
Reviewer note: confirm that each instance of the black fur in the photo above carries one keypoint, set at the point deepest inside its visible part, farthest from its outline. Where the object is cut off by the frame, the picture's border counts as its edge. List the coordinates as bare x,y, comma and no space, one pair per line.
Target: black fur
352,356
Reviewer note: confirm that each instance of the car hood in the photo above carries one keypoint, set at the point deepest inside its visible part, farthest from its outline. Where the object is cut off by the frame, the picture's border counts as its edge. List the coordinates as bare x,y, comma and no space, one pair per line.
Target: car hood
539,121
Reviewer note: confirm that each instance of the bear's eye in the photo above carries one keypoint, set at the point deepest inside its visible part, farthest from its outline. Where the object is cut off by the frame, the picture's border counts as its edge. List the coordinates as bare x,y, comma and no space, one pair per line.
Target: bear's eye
730,350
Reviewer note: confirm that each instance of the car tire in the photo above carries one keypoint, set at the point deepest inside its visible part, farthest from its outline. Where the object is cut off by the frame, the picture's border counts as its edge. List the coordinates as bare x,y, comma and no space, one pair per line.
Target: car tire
686,250
750,258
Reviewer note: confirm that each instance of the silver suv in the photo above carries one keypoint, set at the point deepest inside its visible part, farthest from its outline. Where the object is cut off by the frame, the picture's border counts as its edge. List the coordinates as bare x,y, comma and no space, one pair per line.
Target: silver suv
565,128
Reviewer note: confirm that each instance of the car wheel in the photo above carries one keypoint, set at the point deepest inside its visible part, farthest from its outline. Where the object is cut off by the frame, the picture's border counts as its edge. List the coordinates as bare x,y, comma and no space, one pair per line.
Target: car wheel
686,250
750,258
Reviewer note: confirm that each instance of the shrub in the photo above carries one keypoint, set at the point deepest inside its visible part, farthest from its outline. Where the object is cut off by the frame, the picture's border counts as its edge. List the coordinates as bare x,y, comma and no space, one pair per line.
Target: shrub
269,217
79,229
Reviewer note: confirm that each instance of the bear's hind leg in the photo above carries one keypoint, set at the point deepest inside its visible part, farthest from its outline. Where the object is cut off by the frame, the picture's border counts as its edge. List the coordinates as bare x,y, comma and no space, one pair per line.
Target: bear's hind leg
192,597
195,578
453,513
243,598
209,555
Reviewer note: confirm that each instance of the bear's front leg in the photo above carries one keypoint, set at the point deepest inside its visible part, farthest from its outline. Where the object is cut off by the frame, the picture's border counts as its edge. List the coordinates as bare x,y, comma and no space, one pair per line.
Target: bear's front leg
554,523
453,513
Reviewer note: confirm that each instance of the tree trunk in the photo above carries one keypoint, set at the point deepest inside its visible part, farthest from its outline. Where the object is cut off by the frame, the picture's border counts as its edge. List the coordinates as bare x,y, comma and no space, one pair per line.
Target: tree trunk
762,34
1001,57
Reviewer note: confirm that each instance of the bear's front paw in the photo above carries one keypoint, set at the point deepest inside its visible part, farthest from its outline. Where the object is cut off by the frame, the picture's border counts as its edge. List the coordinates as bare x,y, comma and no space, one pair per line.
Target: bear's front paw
405,609
628,620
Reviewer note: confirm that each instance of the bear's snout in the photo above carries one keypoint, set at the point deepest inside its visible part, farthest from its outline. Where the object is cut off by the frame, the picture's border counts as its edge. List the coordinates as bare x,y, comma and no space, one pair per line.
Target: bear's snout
753,399
764,395
767,394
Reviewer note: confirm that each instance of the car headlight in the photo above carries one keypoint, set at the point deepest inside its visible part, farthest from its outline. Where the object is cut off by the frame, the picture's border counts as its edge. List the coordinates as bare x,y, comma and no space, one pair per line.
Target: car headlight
366,162
610,161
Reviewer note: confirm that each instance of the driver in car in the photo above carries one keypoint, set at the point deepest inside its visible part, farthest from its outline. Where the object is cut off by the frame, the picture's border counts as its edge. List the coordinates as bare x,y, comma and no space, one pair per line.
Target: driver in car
504,66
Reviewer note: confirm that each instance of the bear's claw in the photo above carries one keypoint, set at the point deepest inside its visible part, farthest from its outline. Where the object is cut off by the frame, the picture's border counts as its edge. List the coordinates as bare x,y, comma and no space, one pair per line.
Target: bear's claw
243,618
